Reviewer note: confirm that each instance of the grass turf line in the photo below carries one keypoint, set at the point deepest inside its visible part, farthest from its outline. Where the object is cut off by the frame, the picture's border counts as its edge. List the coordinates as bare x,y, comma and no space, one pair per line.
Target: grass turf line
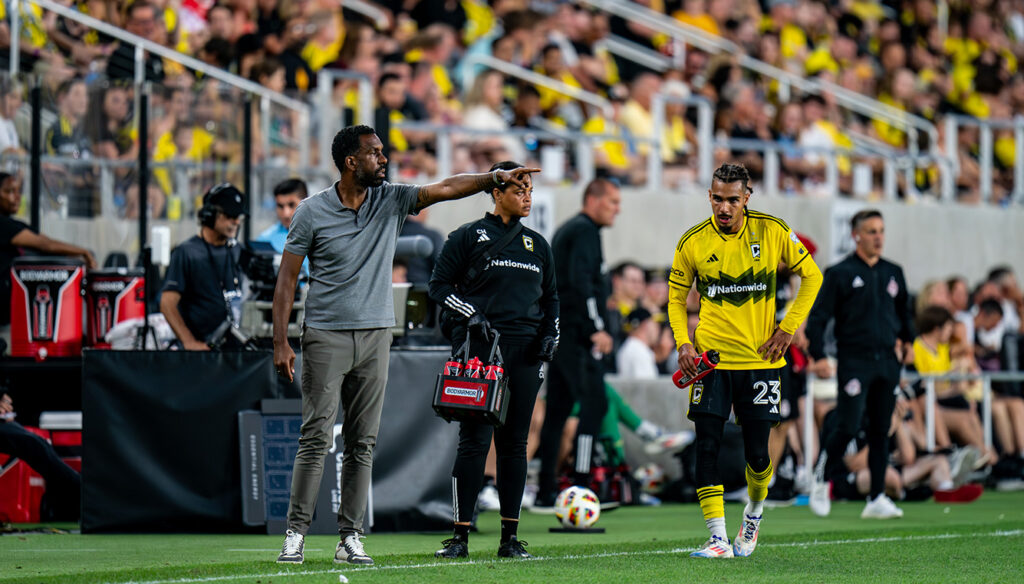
931,543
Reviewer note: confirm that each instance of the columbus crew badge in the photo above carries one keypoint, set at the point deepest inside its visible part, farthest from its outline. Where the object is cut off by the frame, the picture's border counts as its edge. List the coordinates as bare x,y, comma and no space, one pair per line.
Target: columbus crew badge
696,392
528,242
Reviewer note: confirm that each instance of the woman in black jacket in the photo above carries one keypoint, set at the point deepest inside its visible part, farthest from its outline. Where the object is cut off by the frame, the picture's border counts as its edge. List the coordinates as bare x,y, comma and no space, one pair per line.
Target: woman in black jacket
515,295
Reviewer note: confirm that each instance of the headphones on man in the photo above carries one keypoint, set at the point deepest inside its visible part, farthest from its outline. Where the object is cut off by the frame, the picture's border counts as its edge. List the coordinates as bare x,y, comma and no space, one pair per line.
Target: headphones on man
207,214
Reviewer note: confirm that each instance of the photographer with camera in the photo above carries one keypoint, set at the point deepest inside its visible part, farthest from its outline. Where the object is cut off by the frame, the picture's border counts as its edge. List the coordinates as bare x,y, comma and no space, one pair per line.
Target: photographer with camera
202,293
496,275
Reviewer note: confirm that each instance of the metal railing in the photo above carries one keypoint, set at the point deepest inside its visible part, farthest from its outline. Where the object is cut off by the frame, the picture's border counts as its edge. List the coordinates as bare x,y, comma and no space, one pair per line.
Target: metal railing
583,144
328,115
637,53
143,45
912,125
379,18
705,137
893,162
532,77
986,149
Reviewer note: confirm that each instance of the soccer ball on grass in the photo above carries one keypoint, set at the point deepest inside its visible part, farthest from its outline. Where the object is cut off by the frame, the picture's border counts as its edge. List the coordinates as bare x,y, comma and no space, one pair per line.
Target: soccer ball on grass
582,511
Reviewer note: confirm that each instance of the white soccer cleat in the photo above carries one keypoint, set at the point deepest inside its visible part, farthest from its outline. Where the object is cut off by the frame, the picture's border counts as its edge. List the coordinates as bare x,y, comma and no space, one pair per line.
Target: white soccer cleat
746,539
820,500
714,547
881,507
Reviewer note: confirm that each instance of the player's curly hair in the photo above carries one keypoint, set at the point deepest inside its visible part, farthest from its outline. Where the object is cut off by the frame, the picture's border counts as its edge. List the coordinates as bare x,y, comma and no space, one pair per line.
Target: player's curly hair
729,173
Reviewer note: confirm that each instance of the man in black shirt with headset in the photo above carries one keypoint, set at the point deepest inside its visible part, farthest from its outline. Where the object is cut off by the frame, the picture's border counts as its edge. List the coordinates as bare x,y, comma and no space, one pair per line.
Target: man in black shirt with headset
204,278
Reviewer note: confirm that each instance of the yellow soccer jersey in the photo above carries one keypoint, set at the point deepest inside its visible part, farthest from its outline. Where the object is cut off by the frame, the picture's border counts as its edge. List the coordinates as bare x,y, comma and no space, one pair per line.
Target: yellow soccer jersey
735,276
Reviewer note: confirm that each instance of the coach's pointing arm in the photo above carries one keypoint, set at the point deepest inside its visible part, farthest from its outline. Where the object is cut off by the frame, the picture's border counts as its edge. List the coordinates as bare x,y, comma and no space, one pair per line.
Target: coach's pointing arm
463,185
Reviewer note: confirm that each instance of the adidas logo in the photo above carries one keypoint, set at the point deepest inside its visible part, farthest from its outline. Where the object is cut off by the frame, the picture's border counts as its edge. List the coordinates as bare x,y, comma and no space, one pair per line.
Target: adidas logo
858,282
483,235
774,410
712,259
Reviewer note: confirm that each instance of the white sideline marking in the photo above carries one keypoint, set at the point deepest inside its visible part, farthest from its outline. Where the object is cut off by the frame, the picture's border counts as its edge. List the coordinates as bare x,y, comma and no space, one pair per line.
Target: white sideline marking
270,551
1001,533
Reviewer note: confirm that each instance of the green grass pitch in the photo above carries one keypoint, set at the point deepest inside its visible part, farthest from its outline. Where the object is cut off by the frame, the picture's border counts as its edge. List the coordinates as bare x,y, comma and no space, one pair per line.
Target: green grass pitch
979,542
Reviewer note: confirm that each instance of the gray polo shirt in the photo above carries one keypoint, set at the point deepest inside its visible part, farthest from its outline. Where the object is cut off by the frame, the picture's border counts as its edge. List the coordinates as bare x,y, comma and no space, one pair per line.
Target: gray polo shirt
350,255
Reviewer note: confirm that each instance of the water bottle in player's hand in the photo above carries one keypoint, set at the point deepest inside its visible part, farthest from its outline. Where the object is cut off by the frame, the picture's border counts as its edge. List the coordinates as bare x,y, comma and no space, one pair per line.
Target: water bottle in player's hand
705,362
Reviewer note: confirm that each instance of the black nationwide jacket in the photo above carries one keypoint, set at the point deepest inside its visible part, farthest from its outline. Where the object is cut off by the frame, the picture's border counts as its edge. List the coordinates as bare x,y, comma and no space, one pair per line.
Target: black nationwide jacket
517,291
871,308
582,278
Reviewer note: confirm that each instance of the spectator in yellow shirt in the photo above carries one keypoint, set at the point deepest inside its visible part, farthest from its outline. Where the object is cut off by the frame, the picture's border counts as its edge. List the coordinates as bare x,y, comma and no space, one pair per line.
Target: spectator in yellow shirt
932,357
553,102
694,13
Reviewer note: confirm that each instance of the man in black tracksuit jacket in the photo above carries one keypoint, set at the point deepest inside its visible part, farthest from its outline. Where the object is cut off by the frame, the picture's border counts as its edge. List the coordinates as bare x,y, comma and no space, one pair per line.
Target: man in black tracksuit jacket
515,294
867,297
576,374
517,272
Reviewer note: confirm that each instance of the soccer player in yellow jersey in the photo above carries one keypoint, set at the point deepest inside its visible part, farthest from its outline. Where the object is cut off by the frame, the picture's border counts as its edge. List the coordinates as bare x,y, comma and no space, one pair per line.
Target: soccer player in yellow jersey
731,259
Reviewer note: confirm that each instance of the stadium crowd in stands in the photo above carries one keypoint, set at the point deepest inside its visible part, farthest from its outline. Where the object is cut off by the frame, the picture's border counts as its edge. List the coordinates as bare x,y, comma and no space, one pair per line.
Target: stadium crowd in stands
898,51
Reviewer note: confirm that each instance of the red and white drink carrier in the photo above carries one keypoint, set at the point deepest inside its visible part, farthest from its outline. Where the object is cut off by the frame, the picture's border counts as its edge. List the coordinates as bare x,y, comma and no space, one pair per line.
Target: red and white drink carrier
46,307
112,296
470,390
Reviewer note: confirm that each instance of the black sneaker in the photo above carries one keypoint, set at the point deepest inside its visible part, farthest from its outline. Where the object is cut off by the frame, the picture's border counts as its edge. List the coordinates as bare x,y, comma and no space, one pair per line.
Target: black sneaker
454,547
513,548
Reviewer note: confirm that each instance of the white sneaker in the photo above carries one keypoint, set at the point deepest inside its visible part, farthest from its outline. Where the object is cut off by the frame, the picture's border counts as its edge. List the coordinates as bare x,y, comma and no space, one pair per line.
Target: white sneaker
746,539
962,463
488,499
529,496
714,547
291,551
820,500
351,550
802,482
881,507
672,442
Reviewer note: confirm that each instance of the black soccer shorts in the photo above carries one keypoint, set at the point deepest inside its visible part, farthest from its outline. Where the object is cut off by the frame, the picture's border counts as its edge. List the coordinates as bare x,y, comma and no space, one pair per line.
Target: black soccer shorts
754,394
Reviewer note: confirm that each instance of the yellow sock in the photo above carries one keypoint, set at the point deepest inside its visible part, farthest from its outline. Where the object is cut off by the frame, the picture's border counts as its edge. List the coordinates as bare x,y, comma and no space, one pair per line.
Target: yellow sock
711,502
712,505
757,483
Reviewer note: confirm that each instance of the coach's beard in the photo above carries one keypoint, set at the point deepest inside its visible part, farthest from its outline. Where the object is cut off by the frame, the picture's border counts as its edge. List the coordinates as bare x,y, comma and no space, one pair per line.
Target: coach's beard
366,180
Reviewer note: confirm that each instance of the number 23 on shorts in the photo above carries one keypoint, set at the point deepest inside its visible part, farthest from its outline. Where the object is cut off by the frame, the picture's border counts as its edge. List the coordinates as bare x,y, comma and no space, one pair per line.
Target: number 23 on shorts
768,392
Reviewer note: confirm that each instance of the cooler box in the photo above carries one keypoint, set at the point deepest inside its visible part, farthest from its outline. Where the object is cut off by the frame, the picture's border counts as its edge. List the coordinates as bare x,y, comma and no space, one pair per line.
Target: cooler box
112,296
46,307
64,429
21,489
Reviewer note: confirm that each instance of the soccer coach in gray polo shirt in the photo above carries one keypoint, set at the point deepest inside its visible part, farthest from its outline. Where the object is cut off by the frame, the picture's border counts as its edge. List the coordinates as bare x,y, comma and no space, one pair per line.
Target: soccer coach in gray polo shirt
348,232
